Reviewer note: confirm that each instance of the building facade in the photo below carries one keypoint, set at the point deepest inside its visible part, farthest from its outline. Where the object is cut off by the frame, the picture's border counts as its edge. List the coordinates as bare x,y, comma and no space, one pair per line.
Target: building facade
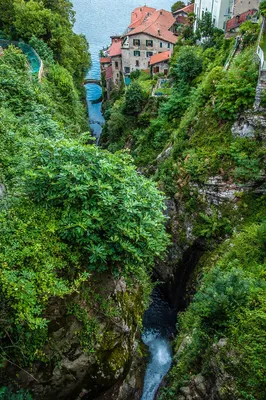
221,11
138,50
150,32
159,63
242,6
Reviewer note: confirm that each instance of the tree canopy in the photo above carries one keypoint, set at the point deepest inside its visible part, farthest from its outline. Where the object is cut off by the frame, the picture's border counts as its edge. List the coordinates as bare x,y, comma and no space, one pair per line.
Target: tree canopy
177,6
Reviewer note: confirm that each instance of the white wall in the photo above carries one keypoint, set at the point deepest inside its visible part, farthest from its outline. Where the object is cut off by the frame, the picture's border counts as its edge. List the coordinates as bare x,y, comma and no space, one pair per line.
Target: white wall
128,57
221,10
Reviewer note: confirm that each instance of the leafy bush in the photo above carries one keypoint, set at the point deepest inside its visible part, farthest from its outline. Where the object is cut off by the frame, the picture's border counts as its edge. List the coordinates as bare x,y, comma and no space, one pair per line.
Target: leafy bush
42,49
103,205
249,32
188,64
134,99
236,90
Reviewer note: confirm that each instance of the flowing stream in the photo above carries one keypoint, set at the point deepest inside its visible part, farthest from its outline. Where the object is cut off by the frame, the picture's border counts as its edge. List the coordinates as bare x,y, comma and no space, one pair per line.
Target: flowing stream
159,327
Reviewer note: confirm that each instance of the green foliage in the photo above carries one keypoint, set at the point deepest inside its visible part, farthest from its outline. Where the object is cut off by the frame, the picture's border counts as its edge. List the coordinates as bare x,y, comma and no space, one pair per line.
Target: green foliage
49,22
96,195
134,99
42,49
188,64
229,303
177,6
70,209
90,327
212,225
249,32
236,90
7,394
262,8
205,27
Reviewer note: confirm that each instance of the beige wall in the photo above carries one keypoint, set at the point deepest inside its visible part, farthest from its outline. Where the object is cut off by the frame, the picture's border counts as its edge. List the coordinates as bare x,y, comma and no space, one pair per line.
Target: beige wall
117,69
162,67
244,5
128,58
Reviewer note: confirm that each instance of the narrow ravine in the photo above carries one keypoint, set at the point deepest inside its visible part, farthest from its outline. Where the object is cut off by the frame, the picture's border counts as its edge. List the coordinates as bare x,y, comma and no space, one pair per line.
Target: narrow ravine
93,92
159,327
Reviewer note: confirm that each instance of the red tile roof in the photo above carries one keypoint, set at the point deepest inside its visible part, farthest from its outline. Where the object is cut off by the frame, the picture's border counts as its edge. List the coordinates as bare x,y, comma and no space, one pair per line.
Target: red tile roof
187,9
160,57
238,20
105,60
157,25
139,15
115,48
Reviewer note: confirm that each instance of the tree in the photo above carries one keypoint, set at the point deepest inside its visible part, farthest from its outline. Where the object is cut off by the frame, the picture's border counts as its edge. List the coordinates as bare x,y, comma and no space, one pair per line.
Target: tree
177,6
205,26
134,99
188,64
263,8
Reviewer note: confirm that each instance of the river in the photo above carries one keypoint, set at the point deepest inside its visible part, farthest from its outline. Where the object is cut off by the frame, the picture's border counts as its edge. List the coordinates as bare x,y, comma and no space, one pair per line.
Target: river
98,20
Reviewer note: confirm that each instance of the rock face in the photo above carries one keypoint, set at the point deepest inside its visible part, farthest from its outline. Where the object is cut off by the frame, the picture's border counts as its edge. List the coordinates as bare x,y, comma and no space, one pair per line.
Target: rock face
74,371
217,385
250,125
217,191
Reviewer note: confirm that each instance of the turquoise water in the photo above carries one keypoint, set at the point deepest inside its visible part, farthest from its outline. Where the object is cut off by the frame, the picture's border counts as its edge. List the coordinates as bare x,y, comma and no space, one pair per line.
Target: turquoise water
34,60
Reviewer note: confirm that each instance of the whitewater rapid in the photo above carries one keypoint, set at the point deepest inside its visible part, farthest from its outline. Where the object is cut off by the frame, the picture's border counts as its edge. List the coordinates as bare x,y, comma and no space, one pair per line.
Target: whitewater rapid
159,363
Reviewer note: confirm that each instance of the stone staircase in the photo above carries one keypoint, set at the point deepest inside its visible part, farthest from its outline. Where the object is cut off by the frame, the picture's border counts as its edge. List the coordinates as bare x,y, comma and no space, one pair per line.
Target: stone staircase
261,86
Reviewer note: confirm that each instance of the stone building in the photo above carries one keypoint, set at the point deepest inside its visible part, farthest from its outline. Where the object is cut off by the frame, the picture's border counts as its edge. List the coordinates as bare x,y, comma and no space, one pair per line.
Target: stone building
159,62
150,32
181,15
242,6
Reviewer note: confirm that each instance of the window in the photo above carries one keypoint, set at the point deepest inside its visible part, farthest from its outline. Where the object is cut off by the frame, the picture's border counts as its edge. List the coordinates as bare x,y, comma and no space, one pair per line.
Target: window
136,53
116,65
156,70
137,63
149,43
161,44
127,70
149,53
136,42
169,46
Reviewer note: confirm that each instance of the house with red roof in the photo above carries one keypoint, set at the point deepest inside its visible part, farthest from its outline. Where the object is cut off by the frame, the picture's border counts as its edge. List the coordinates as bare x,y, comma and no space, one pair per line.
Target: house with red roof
150,32
111,64
159,62
181,15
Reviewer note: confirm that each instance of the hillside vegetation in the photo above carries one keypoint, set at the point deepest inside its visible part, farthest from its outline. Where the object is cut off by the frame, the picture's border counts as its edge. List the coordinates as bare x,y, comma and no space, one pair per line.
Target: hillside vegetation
185,143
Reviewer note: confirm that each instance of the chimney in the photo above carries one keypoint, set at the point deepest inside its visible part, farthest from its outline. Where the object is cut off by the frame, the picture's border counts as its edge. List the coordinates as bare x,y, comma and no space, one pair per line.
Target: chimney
159,32
161,13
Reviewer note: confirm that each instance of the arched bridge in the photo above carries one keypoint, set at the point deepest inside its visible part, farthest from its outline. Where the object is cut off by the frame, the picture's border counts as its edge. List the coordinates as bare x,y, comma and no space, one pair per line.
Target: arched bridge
95,81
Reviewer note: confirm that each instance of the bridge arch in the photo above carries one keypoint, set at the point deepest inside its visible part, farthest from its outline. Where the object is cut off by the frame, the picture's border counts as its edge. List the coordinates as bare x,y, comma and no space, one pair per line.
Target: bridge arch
95,81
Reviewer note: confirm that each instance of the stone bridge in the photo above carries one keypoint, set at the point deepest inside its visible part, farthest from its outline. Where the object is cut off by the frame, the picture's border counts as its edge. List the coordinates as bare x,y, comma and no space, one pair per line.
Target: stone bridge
95,81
